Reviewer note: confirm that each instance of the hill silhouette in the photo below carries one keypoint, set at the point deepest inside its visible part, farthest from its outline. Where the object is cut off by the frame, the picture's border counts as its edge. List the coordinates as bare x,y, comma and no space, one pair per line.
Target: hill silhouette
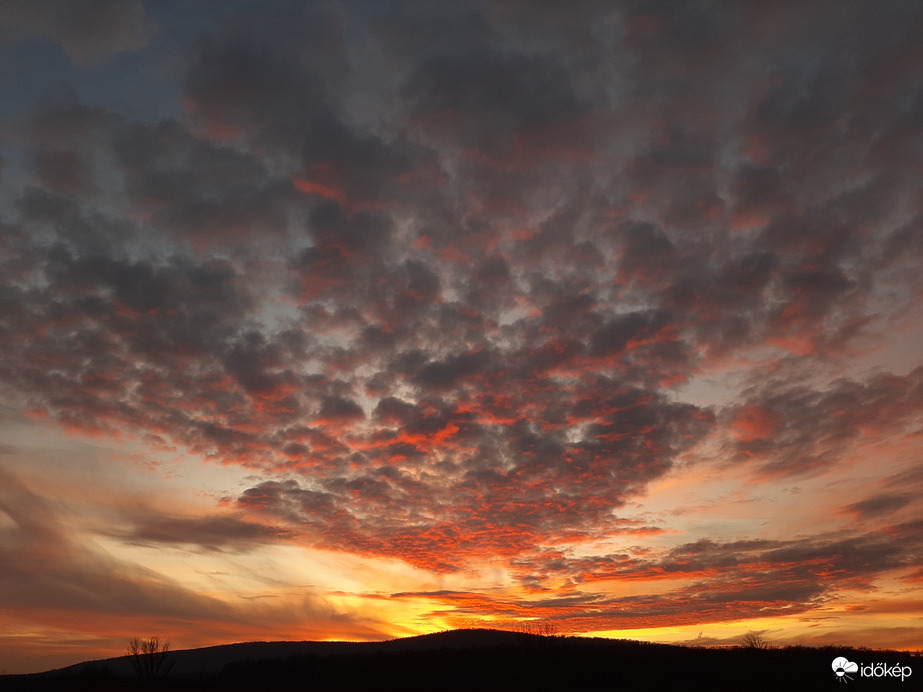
478,661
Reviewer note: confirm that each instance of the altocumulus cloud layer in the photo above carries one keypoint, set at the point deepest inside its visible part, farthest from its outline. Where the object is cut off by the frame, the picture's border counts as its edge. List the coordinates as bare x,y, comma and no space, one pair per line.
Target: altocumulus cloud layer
475,286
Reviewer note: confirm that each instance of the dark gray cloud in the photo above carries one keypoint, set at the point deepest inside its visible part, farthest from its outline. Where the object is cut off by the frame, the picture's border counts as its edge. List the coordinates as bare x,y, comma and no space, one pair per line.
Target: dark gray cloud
489,97
204,192
87,31
65,171
791,430
210,533
878,505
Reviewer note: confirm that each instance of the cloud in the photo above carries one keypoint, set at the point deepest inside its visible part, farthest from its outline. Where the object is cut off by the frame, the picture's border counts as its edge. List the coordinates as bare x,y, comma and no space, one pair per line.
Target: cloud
790,430
435,481
89,32
496,95
878,505
43,568
715,582
64,171
211,533
203,192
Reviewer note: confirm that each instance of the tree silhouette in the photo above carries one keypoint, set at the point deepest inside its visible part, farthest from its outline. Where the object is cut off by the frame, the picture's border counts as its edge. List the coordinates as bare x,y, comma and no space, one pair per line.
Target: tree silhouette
755,641
540,628
148,656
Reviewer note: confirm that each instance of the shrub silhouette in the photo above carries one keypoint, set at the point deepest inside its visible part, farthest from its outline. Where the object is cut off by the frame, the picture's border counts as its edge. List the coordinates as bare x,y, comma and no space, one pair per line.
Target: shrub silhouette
539,628
756,641
148,656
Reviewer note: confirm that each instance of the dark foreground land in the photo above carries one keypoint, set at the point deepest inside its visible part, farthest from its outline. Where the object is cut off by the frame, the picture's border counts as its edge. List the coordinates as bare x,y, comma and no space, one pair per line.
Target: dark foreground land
486,660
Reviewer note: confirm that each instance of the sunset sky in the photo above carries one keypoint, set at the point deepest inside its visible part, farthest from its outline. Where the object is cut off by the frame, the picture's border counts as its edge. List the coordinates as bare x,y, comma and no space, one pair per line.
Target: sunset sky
360,320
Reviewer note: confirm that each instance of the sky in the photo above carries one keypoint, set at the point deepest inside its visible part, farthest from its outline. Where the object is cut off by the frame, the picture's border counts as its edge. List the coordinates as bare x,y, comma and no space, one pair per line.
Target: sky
361,320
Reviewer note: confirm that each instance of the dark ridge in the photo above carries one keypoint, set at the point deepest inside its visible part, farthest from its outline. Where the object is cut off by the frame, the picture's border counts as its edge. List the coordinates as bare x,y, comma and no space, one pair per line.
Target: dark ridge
211,659
478,661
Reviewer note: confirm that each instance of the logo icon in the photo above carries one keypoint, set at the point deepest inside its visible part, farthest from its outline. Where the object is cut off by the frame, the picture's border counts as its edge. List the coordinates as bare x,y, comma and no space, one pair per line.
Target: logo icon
842,666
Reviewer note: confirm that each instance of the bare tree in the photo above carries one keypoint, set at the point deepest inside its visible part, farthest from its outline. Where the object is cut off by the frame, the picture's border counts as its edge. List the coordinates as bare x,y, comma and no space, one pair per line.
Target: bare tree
148,656
540,628
756,641
547,628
